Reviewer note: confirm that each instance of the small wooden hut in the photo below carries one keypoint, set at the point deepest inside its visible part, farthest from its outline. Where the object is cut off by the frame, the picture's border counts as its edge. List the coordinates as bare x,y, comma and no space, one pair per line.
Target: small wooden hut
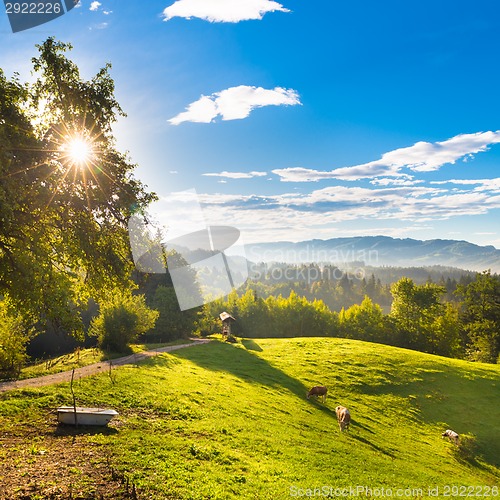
227,320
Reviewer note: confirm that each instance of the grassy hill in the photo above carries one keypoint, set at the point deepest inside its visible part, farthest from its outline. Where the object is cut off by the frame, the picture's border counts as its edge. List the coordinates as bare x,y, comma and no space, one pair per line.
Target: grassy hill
232,421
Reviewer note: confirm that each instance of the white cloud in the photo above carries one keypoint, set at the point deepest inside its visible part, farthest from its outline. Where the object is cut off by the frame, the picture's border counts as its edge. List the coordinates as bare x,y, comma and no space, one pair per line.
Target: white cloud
459,181
492,185
204,110
95,6
394,232
399,181
425,156
222,11
100,26
421,157
237,175
235,103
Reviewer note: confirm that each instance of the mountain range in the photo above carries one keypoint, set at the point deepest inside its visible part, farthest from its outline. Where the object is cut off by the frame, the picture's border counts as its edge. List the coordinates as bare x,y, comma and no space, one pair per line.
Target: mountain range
379,251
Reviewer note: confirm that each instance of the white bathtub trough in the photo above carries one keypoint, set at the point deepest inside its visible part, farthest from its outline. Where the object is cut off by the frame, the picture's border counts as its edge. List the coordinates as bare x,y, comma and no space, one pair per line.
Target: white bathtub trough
84,416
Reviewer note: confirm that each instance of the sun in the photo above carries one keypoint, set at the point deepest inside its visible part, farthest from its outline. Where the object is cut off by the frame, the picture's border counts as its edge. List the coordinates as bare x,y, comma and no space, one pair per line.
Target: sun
78,151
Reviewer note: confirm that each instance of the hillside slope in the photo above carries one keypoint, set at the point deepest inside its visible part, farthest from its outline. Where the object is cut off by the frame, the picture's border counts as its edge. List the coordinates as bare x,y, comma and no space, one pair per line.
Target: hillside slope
232,421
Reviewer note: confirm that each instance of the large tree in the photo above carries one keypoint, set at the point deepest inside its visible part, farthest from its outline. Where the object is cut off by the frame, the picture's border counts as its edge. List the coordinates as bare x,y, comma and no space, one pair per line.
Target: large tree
66,193
364,321
415,308
480,316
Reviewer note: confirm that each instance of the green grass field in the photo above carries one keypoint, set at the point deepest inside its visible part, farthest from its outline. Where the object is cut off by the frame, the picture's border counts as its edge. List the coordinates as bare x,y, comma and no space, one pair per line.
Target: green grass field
232,421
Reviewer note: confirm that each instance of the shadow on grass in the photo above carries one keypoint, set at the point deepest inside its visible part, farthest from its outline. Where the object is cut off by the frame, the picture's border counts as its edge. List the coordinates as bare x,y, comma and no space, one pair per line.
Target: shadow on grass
64,430
454,398
373,446
157,360
251,345
242,363
364,427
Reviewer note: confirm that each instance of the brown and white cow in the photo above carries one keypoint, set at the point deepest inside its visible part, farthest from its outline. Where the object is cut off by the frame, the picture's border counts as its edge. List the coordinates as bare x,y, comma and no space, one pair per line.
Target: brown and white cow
343,417
451,435
317,391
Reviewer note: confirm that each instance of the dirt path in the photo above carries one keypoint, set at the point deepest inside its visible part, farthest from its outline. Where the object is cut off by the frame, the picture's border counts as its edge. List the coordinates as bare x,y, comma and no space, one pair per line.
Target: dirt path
93,369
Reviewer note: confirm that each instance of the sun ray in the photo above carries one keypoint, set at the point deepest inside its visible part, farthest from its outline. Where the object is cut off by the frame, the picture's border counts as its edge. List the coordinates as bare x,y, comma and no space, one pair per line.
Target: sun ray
96,179
63,178
84,175
74,156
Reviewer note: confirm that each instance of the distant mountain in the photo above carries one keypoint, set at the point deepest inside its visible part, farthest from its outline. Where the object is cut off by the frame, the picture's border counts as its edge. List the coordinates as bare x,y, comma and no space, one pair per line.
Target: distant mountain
379,251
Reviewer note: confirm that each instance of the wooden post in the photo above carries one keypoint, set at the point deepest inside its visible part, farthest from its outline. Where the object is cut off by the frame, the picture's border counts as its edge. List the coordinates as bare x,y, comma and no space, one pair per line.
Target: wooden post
73,394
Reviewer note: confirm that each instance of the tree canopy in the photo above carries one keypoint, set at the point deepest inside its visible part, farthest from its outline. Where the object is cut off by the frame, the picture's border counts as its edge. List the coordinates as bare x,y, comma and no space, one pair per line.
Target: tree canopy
481,316
66,192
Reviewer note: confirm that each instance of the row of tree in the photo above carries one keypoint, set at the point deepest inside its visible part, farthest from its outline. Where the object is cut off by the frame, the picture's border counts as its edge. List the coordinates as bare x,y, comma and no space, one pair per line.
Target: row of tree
468,327
339,288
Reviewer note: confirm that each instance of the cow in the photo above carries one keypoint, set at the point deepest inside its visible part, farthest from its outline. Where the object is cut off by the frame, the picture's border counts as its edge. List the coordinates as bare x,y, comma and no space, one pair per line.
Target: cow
451,435
343,417
317,391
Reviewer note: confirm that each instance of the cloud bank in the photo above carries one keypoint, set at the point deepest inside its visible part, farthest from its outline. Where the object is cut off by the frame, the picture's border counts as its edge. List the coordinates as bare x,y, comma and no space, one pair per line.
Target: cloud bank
317,214
236,175
322,213
222,11
235,103
421,157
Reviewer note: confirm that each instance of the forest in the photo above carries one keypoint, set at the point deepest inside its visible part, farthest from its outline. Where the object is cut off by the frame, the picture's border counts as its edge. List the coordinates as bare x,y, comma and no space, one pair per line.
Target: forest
449,318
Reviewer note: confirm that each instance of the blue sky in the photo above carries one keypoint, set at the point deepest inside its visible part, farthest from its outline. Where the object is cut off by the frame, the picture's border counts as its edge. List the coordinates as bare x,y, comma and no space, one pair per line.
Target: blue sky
296,119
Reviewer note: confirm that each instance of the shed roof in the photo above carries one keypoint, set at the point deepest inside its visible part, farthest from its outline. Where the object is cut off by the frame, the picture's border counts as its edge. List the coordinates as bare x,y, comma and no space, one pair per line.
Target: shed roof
224,316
